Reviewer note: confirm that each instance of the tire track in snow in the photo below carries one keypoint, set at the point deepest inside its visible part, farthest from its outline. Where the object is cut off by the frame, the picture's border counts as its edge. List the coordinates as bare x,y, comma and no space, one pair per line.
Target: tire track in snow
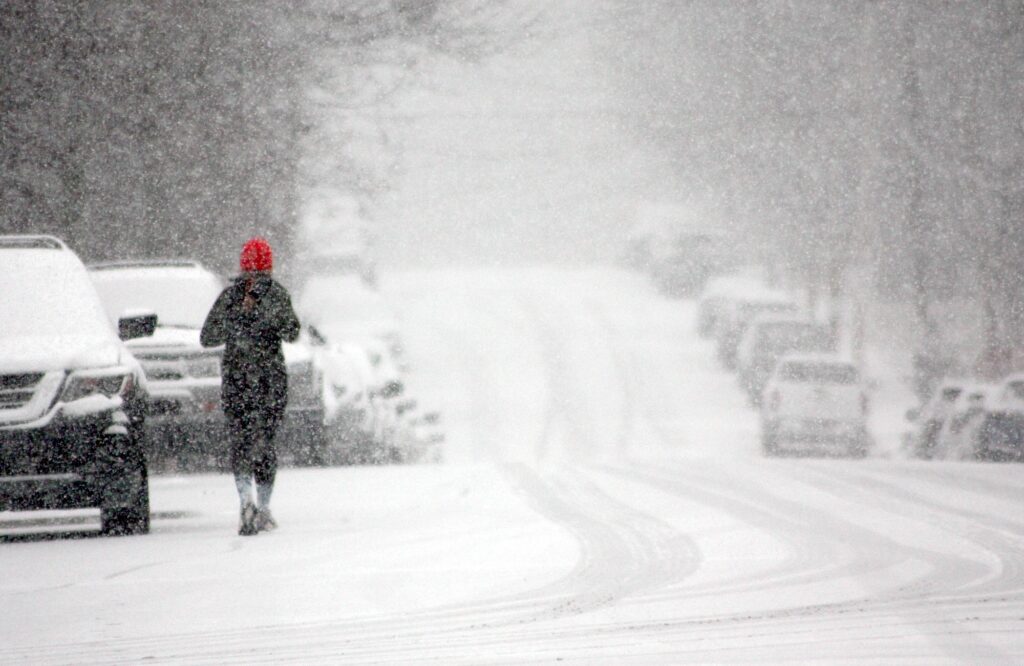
1004,541
875,554
809,561
624,551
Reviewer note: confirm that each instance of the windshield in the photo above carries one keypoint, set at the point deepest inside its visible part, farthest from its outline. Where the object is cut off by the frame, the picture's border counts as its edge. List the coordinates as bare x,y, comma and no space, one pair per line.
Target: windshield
819,373
181,297
780,337
47,292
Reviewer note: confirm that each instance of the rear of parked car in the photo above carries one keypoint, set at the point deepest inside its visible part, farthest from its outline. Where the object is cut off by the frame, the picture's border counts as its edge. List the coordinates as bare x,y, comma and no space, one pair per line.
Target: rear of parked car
1000,435
958,436
768,338
737,314
931,418
72,396
814,403
302,435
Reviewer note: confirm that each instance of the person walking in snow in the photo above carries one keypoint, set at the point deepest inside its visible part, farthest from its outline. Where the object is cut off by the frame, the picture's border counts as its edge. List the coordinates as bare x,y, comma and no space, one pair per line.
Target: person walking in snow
251,318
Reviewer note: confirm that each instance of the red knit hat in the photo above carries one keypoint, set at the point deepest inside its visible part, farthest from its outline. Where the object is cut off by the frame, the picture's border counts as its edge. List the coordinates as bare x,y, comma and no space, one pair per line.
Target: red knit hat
257,256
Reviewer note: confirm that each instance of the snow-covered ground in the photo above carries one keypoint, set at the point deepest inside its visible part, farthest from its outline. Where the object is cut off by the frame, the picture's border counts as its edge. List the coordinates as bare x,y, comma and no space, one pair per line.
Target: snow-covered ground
604,501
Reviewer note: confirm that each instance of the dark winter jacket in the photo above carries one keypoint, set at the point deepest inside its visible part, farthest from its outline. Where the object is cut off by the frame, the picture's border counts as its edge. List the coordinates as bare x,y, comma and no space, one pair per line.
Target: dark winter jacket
254,380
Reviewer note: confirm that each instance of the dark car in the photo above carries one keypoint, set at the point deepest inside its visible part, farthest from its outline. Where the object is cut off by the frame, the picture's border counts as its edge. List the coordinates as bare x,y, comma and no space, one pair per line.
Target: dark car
72,396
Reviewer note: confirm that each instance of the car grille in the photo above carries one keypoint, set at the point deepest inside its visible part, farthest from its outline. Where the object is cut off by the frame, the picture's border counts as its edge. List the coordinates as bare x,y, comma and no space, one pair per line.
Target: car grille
168,368
17,390
163,374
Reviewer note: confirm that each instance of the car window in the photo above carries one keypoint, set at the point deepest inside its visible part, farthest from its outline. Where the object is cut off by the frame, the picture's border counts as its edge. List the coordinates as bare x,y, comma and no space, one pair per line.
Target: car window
792,336
818,373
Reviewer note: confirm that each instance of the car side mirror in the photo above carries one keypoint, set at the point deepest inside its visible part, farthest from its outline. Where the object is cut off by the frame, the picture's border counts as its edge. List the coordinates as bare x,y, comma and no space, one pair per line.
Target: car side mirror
912,414
136,325
316,338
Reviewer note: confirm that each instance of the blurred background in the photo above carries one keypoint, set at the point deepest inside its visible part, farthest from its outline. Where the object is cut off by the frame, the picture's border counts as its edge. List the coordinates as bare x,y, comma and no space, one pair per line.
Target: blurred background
870,152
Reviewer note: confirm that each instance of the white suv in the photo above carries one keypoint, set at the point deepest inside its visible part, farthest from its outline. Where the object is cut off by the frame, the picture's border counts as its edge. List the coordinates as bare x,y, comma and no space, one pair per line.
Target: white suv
72,397
184,377
814,402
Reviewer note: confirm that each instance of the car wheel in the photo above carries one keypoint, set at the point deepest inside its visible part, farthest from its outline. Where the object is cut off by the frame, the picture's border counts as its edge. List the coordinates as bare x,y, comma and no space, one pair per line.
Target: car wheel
132,518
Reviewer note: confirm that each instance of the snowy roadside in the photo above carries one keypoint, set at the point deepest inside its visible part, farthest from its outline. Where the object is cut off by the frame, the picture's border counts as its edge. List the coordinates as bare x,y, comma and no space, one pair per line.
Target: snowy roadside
353,543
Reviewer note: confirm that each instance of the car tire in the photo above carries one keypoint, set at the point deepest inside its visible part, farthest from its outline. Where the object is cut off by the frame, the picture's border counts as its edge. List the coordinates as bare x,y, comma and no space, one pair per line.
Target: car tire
132,519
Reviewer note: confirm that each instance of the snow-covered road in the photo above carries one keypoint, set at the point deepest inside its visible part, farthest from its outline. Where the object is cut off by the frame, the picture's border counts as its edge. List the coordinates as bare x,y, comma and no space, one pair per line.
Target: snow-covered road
604,501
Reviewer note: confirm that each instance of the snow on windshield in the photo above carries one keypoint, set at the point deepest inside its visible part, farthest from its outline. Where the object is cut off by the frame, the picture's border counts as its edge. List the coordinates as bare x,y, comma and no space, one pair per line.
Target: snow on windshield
48,293
180,297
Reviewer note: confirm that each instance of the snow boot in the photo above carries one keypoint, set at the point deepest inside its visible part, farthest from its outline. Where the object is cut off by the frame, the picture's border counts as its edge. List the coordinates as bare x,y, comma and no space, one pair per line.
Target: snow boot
265,520
247,520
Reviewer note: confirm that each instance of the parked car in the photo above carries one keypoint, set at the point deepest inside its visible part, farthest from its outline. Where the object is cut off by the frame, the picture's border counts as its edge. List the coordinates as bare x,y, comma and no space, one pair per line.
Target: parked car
716,294
767,339
1000,435
814,402
930,418
302,436
347,379
427,436
957,438
186,424
737,313
686,259
366,412
72,396
348,311
1010,393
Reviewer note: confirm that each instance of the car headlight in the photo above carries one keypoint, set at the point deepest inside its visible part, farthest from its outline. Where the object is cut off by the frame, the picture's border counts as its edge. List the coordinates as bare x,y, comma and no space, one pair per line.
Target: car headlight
204,367
80,386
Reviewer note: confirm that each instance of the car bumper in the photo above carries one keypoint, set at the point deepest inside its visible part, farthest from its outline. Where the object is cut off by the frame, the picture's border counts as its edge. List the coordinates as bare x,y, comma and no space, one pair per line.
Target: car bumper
60,466
198,404
811,431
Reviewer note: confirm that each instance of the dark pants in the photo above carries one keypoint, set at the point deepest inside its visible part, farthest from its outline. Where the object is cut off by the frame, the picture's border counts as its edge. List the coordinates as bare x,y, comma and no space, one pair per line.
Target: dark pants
252,447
